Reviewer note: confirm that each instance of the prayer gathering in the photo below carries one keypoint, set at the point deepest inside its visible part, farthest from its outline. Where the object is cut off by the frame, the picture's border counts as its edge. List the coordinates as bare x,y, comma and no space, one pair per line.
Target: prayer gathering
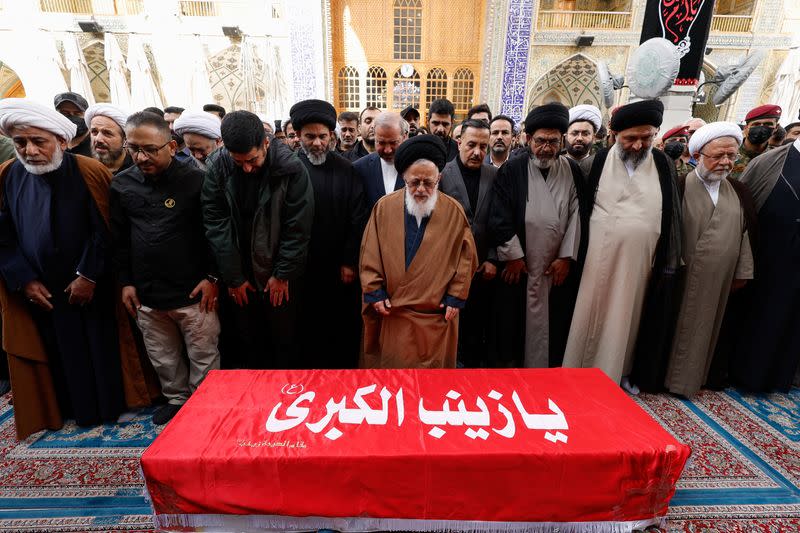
400,265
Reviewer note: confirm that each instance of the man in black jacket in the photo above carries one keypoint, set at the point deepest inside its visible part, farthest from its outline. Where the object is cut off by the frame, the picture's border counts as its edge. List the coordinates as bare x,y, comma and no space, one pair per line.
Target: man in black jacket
163,260
258,207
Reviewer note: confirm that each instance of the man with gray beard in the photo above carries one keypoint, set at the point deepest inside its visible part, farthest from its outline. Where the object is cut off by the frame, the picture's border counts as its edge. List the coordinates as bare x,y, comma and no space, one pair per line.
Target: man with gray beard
106,123
632,222
339,217
54,247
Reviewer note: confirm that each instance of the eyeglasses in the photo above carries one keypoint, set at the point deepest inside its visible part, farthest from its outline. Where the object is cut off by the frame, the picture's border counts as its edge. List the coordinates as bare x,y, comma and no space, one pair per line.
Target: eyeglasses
415,184
553,143
729,157
149,151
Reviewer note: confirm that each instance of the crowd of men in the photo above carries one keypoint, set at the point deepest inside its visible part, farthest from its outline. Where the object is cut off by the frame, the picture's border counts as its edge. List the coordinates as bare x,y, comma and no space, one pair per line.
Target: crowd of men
140,250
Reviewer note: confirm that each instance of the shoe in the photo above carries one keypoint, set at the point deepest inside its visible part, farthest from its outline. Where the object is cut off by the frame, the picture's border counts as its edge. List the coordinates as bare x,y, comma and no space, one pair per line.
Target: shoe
165,413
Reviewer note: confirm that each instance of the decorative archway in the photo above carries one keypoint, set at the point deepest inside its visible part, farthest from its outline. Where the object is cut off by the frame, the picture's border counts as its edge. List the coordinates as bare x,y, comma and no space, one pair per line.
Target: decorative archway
227,78
571,82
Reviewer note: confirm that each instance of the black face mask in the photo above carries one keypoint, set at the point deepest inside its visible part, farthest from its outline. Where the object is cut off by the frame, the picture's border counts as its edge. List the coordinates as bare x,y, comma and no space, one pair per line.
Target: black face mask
674,149
759,134
80,123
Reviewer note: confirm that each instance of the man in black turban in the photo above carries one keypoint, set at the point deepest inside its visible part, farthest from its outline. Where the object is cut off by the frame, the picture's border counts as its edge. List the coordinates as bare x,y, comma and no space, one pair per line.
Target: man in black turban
535,224
339,218
415,286
633,250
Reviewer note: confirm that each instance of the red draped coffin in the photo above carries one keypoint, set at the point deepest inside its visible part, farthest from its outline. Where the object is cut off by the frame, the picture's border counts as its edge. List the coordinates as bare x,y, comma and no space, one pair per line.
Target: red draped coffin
472,450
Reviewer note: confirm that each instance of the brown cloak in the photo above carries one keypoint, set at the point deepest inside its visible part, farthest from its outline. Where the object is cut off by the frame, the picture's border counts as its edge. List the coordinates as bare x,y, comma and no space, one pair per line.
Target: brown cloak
415,333
35,406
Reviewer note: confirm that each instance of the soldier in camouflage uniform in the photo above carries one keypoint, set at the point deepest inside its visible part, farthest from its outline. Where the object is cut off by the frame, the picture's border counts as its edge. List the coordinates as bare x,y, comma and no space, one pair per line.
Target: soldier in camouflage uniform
675,141
760,122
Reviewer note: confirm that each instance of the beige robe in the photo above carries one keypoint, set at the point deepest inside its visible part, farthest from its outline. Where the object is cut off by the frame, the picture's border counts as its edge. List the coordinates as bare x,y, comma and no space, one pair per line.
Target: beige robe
623,232
716,251
415,333
551,232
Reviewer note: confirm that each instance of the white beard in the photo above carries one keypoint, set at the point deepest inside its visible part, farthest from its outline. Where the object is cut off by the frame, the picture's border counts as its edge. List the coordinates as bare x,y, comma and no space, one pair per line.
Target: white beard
542,163
705,175
54,164
421,210
315,159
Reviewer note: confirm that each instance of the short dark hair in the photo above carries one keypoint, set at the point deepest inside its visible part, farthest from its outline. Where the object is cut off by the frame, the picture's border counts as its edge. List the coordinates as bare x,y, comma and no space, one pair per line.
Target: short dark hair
473,123
214,108
442,106
146,118
779,134
506,118
792,125
154,110
242,131
173,109
368,108
480,108
348,116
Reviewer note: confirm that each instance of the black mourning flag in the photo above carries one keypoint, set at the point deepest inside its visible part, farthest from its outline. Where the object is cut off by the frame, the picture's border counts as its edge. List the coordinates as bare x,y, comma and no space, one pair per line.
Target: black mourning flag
685,23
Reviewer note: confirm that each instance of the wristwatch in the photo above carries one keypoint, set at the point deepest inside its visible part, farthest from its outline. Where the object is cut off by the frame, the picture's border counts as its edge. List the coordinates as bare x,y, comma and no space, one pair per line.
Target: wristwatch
212,279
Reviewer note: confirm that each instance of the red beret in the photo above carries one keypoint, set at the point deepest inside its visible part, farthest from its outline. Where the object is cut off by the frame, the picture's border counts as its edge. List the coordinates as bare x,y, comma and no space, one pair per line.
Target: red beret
764,111
677,130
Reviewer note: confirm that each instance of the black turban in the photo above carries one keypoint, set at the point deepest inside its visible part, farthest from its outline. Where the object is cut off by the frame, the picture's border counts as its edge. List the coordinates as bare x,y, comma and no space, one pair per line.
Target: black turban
312,112
551,116
428,147
641,113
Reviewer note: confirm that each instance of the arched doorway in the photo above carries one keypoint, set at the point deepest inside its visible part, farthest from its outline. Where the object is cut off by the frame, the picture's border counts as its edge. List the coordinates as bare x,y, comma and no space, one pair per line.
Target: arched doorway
571,82
10,84
228,87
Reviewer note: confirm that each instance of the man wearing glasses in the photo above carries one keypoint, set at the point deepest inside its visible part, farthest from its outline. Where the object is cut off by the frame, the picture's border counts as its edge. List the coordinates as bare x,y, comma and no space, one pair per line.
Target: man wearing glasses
716,250
535,225
163,260
417,261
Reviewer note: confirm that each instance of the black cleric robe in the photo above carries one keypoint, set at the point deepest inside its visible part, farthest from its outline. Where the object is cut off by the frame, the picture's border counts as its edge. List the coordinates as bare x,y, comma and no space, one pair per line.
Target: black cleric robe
51,229
768,353
331,310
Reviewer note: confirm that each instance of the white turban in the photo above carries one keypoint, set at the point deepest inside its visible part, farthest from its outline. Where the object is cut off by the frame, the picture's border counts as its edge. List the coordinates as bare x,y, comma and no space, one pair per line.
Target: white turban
111,111
586,112
714,130
199,122
20,112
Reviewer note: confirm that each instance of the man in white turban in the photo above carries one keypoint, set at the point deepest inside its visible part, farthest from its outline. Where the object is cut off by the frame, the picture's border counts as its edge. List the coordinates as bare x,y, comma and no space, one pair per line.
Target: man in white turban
106,124
201,133
57,289
716,252
584,121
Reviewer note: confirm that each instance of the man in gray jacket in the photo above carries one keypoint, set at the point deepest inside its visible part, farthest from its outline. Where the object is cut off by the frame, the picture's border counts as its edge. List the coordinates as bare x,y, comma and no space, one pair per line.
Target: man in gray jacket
469,180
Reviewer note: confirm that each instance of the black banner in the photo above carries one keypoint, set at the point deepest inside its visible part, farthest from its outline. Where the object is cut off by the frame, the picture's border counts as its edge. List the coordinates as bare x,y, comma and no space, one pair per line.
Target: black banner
685,23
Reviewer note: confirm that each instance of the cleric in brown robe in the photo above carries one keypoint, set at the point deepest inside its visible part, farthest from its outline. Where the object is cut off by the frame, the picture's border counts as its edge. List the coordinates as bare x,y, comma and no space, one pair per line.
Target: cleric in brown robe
418,257
57,292
716,251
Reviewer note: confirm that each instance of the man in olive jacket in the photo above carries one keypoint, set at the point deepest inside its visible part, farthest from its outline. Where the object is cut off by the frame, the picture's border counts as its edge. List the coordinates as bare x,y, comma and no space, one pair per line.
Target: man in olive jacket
258,207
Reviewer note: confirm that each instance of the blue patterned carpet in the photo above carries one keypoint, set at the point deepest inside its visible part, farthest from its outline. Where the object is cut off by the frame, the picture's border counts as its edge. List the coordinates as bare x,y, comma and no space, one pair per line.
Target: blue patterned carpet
743,476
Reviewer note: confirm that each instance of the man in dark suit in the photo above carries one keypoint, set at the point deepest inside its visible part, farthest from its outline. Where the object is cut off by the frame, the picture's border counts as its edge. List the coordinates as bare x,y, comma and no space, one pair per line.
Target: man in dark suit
377,170
469,180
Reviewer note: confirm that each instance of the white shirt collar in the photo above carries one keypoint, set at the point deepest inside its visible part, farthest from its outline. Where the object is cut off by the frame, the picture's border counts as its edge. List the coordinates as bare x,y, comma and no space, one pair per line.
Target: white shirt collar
389,175
712,187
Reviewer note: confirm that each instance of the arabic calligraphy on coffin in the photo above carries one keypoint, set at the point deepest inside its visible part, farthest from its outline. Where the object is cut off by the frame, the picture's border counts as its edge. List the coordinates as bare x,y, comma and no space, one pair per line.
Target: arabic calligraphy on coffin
499,419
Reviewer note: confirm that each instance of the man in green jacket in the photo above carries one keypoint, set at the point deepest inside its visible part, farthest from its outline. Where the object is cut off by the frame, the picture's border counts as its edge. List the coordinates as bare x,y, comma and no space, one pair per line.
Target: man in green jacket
258,207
